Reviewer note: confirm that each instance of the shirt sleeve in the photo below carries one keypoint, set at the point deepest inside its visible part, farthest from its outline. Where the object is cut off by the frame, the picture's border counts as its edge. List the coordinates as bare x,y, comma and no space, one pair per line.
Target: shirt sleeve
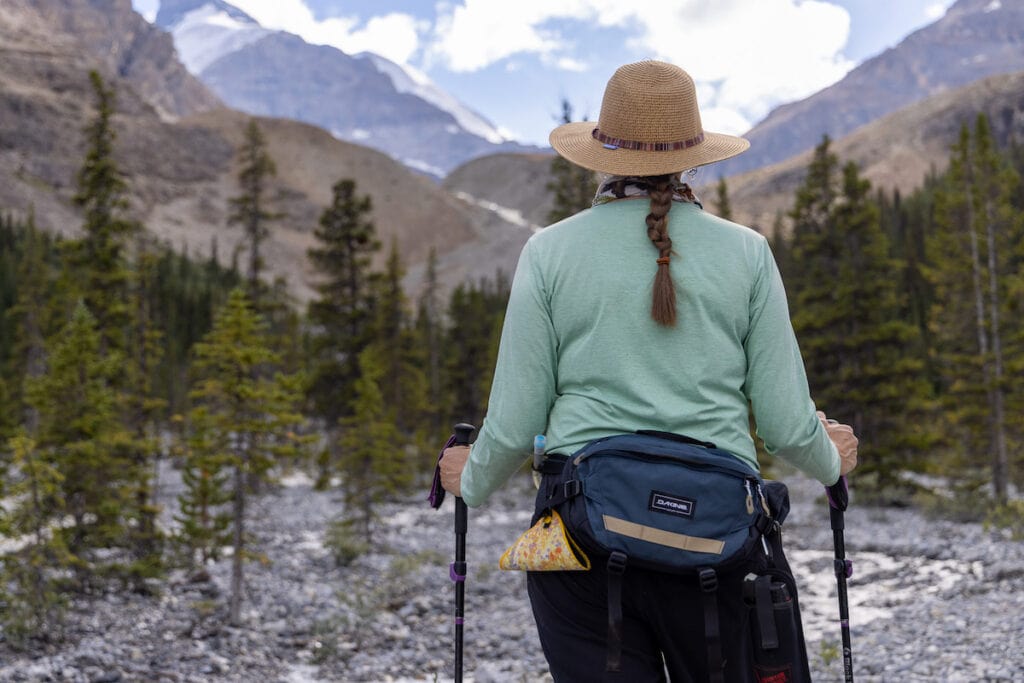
523,388
776,381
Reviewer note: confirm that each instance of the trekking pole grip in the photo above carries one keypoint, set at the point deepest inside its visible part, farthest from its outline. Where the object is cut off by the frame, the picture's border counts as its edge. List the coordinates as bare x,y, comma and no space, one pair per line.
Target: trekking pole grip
463,431
838,494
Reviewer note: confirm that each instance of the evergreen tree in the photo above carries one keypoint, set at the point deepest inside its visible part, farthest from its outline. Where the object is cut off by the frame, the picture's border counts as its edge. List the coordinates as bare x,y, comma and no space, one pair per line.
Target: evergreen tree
202,507
144,411
80,434
476,313
573,187
403,383
847,315
31,319
250,209
723,203
31,570
972,253
341,317
375,465
242,418
429,331
97,263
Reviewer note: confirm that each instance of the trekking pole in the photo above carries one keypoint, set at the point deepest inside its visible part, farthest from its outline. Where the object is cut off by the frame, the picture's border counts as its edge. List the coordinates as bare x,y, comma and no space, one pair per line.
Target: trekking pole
458,568
838,500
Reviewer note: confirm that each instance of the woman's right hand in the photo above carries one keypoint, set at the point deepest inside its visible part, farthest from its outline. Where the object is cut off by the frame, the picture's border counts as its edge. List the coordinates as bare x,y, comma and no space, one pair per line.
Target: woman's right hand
844,439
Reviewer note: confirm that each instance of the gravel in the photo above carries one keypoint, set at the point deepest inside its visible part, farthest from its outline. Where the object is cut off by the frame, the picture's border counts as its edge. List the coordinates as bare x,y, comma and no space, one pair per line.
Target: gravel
930,600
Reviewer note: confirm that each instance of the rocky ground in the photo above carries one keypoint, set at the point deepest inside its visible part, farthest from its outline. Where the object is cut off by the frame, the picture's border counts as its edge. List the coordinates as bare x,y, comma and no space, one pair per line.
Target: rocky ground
930,600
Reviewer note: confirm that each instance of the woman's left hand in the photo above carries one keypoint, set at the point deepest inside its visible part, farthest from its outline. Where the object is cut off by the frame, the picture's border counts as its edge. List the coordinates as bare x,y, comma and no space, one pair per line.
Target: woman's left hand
452,463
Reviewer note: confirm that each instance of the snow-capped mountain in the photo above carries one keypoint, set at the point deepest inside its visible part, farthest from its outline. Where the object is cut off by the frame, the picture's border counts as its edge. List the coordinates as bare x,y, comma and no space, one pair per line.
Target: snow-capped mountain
362,98
208,32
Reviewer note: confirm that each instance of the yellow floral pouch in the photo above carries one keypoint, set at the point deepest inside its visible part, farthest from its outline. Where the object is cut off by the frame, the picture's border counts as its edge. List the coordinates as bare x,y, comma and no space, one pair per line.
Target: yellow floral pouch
545,547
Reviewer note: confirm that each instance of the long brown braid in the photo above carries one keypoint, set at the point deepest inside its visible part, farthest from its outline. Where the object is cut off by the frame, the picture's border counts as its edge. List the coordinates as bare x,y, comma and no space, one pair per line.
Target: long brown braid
663,305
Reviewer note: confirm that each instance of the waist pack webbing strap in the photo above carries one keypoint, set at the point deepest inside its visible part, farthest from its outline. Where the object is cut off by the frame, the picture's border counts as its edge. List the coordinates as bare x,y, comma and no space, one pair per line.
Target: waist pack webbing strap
616,566
709,590
765,613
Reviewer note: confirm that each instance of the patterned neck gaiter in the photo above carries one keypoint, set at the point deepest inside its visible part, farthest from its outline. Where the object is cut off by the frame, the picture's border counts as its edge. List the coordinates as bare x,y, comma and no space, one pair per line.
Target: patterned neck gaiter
615,187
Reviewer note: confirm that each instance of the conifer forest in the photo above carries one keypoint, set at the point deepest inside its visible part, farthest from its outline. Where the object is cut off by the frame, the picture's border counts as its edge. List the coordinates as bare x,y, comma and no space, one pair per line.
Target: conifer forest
119,354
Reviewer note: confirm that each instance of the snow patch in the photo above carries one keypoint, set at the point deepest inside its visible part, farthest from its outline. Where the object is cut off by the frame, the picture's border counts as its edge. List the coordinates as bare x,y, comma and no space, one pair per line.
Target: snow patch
511,215
206,34
409,80
424,167
993,6
296,478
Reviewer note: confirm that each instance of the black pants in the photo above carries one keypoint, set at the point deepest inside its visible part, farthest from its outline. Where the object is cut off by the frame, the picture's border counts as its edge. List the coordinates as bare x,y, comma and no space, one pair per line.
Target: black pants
663,625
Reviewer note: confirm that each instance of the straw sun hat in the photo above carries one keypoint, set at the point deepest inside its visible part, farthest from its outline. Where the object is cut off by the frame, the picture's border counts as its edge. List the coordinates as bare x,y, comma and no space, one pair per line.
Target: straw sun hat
649,125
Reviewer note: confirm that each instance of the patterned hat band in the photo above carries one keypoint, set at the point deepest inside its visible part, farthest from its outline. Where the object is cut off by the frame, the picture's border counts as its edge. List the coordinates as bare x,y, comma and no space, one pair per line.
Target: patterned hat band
617,143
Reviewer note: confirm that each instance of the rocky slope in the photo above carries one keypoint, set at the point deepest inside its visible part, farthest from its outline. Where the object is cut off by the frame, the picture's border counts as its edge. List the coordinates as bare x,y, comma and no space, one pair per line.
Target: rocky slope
929,600
895,152
182,169
110,36
512,182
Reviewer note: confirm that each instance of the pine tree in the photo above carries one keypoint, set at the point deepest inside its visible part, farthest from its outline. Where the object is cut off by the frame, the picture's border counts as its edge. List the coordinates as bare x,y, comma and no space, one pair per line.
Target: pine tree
250,209
429,331
80,434
403,383
144,411
202,507
97,263
341,317
476,313
573,187
31,572
241,417
722,201
847,316
32,318
374,463
972,251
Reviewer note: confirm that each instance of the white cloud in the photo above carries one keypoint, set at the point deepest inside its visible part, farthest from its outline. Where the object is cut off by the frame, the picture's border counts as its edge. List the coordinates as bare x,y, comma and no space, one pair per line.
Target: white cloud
395,35
147,8
935,11
481,32
747,56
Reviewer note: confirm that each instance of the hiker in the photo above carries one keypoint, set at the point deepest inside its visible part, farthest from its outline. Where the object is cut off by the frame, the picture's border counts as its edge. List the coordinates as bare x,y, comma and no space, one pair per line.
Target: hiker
645,312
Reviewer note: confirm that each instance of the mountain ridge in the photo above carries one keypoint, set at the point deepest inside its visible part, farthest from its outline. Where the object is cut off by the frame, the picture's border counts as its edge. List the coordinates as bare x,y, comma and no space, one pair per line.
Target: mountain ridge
182,170
363,98
975,39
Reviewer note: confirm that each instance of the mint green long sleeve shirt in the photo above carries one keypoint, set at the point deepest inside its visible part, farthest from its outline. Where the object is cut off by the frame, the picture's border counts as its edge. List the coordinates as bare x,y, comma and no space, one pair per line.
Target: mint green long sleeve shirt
581,358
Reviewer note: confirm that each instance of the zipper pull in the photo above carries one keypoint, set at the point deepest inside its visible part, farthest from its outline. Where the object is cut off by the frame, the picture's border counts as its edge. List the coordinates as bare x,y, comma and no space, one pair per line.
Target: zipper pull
764,501
750,497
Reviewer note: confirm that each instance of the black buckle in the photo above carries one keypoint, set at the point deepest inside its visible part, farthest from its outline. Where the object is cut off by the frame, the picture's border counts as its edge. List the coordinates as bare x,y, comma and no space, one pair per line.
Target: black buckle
617,562
572,488
708,580
843,568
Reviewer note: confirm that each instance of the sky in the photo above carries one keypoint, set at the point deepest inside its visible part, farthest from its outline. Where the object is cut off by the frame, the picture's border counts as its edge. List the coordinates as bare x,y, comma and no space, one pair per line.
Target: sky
515,62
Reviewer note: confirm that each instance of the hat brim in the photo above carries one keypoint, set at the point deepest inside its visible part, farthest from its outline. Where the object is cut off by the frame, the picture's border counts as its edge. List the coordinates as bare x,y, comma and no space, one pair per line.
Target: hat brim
576,142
